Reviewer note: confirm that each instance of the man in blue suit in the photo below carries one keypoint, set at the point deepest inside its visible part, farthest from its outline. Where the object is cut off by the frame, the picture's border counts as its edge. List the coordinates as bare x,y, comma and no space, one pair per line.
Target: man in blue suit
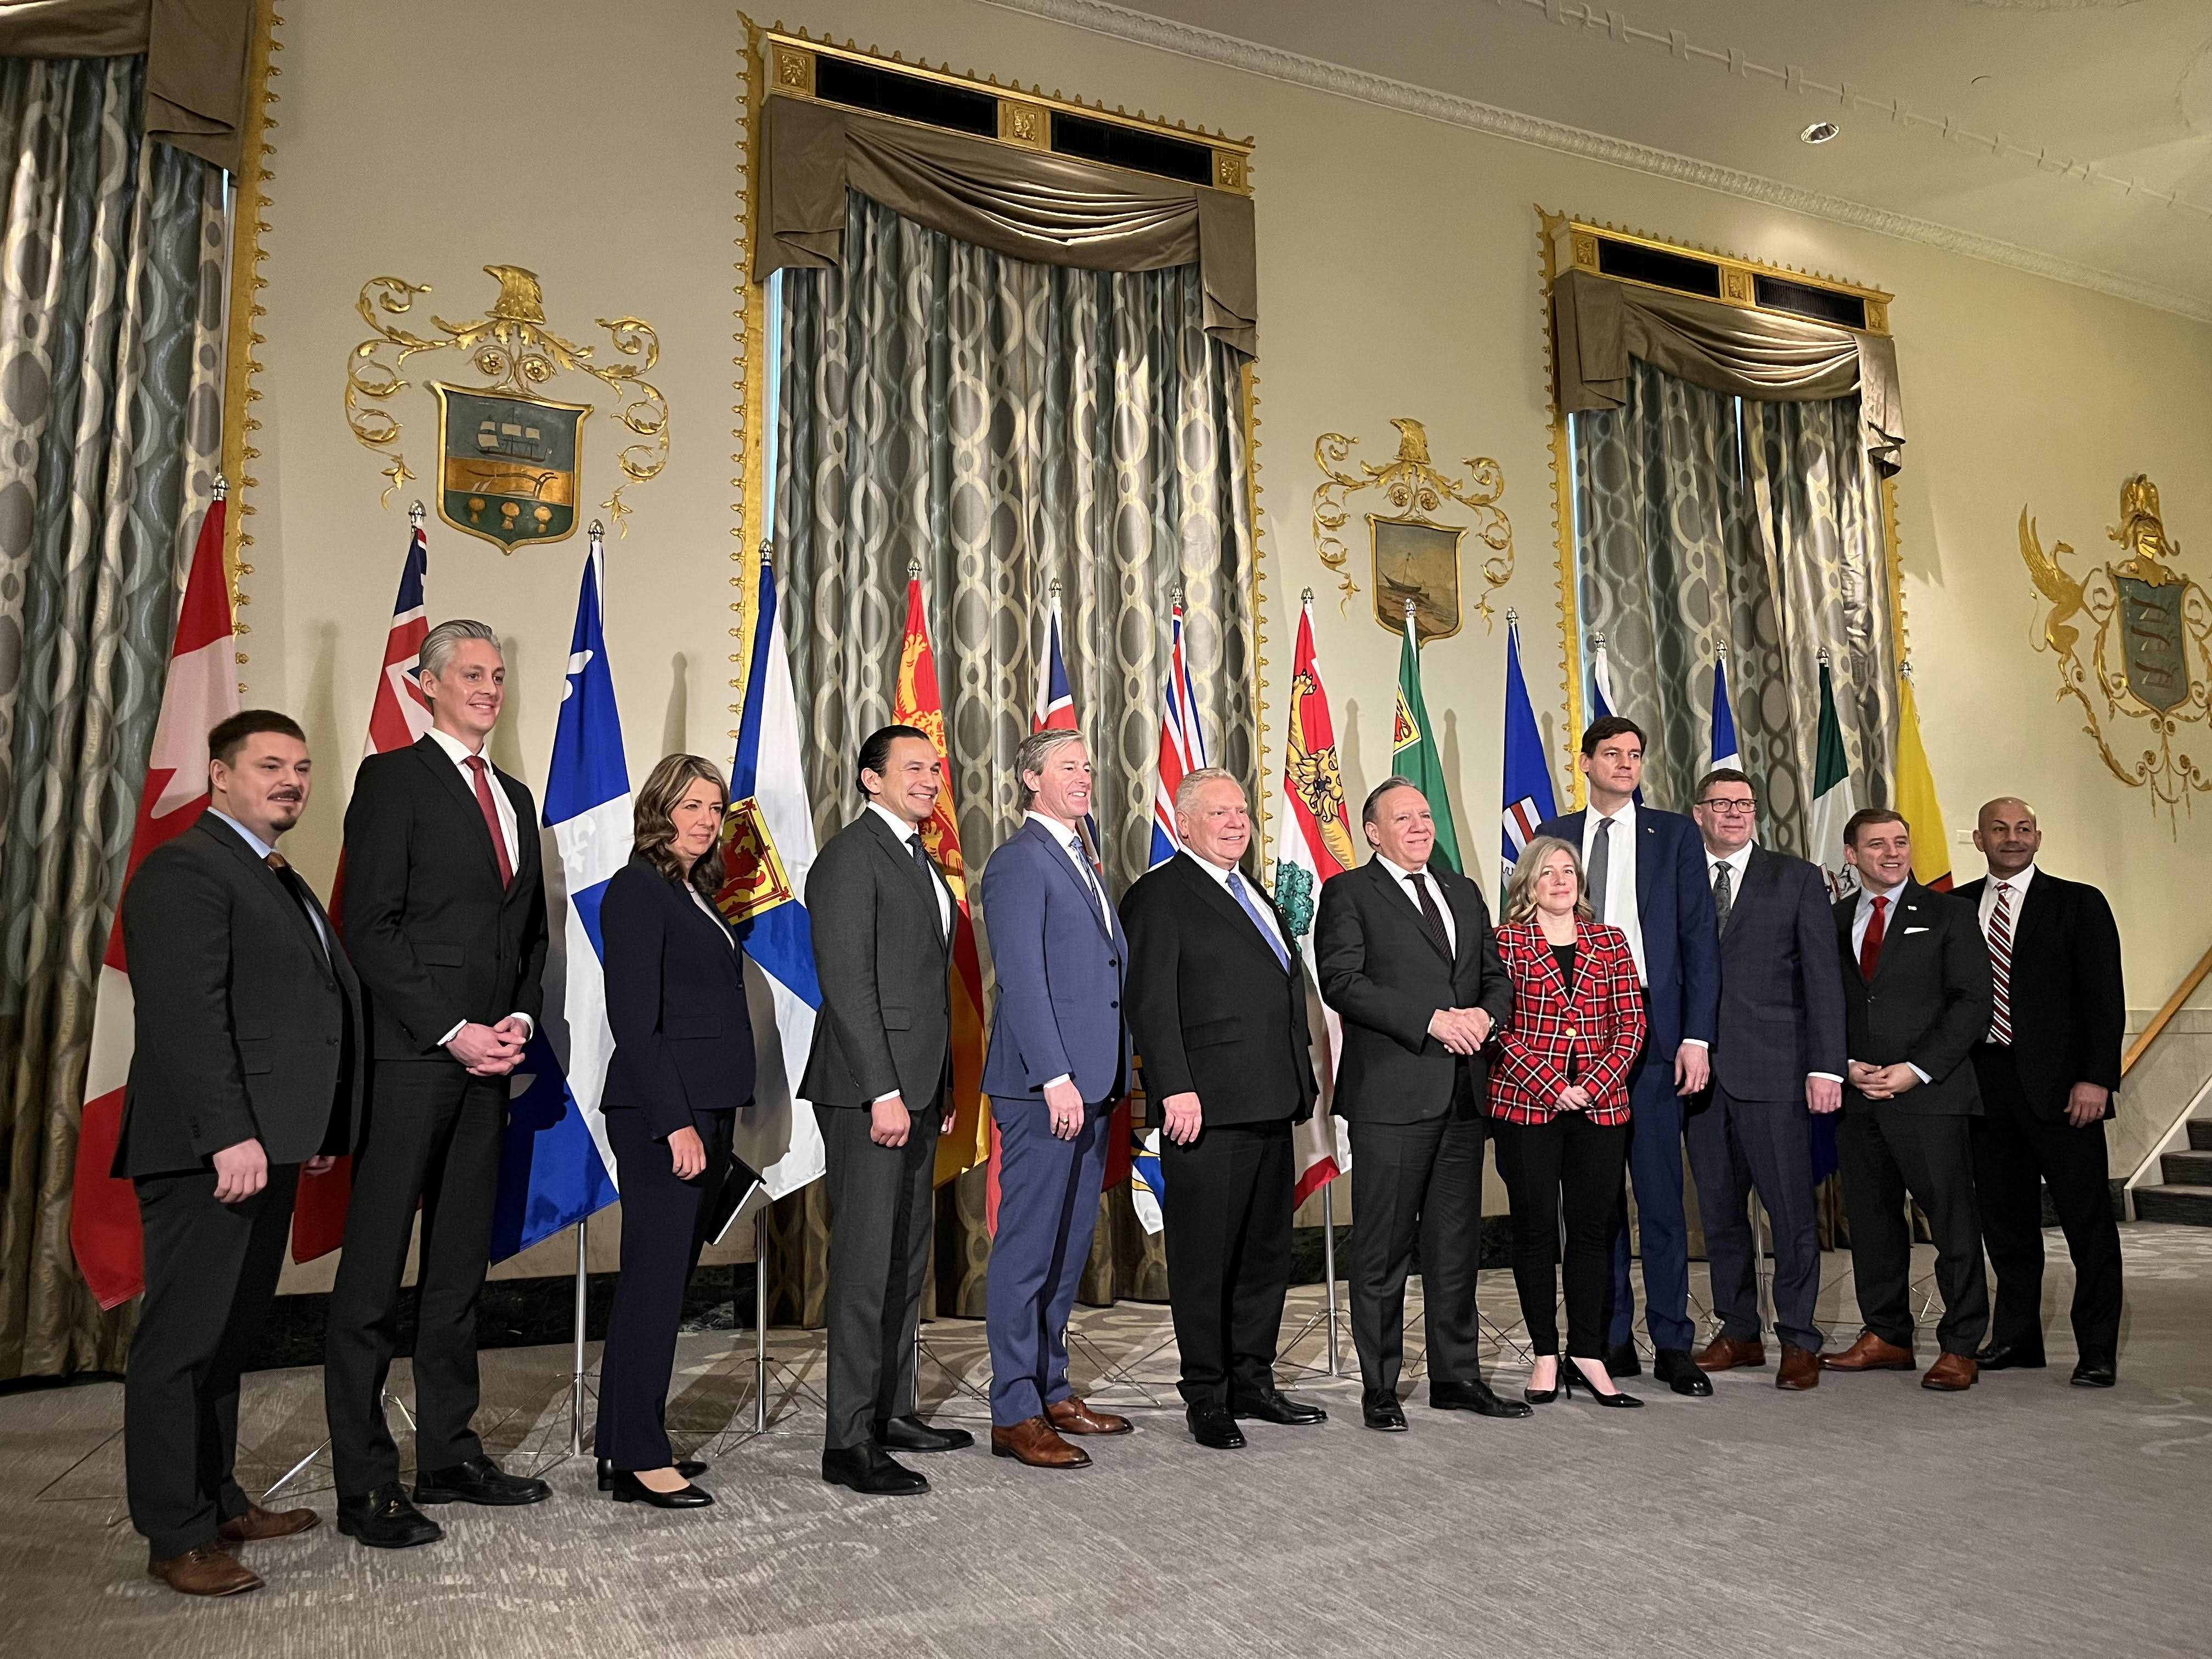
1058,1062
1646,876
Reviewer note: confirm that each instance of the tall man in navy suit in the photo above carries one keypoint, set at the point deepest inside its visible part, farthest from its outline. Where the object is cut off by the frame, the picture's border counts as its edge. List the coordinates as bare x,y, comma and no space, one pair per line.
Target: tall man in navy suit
1058,1062
1646,873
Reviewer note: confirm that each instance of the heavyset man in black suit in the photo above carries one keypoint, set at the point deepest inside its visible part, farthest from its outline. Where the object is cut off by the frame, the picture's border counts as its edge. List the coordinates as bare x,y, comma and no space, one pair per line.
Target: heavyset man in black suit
445,917
2047,1071
1406,956
1217,1009
246,1069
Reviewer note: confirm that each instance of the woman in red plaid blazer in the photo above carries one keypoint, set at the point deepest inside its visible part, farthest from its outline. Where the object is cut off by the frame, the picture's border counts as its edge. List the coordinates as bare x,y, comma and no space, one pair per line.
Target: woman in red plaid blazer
1558,1093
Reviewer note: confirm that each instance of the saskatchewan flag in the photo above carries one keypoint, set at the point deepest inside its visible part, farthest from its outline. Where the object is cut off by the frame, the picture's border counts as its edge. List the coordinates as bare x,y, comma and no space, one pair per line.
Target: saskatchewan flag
1916,796
1413,753
1833,805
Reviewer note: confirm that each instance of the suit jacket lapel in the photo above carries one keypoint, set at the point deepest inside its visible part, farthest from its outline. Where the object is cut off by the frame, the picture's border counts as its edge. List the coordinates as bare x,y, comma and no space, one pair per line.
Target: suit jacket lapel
272,884
1402,893
1647,860
1089,891
1903,913
432,755
1212,893
924,882
1758,875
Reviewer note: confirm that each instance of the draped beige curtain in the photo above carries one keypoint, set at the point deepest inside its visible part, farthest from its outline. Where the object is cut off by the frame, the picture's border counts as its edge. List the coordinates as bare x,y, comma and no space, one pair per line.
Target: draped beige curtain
193,96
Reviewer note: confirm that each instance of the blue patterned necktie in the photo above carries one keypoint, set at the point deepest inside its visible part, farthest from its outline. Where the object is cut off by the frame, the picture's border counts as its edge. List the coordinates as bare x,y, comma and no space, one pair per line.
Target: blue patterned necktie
1259,921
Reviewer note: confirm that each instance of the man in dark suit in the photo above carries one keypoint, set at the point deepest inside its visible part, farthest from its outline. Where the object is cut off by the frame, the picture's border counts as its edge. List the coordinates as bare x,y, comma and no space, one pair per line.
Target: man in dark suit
244,1071
1406,956
2047,1071
1058,1062
445,917
1778,1057
1217,1007
1916,1000
1646,876
883,920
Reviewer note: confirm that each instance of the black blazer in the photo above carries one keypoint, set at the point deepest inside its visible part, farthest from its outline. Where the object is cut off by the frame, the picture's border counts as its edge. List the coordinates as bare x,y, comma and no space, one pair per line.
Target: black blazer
1782,992
2068,1012
676,1001
435,940
885,965
1210,1007
1384,975
246,1028
1929,1001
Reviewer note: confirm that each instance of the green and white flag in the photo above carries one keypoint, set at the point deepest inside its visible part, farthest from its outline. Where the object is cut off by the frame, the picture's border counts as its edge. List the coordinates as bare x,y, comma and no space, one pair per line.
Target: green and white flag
1832,794
1413,753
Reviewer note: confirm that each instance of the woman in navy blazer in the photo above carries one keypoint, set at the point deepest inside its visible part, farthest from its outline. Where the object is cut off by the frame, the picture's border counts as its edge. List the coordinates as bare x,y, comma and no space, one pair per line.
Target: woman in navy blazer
682,1067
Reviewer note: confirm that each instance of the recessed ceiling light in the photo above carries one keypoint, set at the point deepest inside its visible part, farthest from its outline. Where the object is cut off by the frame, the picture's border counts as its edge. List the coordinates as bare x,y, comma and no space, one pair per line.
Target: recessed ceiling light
1820,132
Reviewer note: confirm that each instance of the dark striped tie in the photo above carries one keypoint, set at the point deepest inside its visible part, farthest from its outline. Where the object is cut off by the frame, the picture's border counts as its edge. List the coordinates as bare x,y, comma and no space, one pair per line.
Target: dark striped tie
2001,967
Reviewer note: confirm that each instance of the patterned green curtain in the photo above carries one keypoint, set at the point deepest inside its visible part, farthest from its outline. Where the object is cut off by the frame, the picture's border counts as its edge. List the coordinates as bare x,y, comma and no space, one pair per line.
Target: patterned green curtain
1006,425
110,363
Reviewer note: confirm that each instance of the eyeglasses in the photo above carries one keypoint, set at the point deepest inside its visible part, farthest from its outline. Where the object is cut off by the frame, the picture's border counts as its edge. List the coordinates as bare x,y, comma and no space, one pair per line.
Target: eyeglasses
1729,809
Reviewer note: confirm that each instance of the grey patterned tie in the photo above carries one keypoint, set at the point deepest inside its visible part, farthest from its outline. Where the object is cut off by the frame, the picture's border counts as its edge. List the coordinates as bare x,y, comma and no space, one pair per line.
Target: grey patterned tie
1601,857
1722,897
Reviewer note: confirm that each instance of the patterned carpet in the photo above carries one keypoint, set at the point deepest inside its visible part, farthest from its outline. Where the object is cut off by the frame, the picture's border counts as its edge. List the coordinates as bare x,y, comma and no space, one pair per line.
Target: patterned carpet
2024,1518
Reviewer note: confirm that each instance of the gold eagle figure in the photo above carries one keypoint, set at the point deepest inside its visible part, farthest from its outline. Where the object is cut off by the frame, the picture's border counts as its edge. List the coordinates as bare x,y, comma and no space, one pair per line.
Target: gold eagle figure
2054,584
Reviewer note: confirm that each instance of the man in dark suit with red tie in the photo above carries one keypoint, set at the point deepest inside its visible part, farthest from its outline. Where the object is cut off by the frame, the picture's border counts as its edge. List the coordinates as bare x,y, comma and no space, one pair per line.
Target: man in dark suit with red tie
445,919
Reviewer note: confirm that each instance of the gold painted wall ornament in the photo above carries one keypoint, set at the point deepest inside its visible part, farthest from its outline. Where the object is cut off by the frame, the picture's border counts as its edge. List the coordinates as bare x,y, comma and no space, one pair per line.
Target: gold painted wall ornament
2148,630
1415,558
509,457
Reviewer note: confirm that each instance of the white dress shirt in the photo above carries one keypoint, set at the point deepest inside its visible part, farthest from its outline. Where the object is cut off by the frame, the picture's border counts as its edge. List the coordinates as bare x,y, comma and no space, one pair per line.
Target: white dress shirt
908,835
1619,877
1738,862
1401,878
1221,875
461,754
262,849
1865,915
712,913
1990,888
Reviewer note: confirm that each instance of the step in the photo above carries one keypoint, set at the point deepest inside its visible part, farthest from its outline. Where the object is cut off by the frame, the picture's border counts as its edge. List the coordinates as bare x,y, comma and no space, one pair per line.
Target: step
2200,1135
2190,1206
2186,1169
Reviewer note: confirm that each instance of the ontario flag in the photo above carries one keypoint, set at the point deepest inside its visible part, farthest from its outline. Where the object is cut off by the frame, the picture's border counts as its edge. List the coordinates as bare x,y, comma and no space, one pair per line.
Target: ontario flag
200,692
1315,844
399,715
968,1143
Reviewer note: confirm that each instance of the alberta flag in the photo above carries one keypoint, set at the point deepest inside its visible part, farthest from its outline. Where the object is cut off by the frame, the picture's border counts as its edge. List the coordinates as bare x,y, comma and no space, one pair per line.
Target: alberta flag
554,1167
1529,796
1182,750
768,845
1726,751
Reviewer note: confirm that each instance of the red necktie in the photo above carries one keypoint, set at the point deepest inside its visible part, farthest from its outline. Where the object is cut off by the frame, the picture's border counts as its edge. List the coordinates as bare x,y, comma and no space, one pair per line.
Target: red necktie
1870,945
483,774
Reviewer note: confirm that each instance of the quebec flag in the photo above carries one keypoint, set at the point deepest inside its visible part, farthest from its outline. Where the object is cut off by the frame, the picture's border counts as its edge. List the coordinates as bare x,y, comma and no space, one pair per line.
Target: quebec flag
554,1166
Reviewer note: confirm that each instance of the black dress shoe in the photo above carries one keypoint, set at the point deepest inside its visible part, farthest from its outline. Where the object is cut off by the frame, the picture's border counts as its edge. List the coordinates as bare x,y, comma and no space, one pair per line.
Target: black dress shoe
2096,1370
870,1470
1622,1361
628,1489
479,1480
1277,1406
384,1520
2009,1356
911,1434
1213,1426
1474,1397
1679,1372
1382,1411
690,1467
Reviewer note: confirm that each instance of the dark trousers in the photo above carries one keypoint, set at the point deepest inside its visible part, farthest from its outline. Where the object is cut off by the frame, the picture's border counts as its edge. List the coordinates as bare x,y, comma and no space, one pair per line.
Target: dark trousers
1662,1230
2013,1148
1227,1207
211,1273
1884,1152
1738,1147
1420,1180
881,1212
1048,1210
1573,1165
661,1217
433,1133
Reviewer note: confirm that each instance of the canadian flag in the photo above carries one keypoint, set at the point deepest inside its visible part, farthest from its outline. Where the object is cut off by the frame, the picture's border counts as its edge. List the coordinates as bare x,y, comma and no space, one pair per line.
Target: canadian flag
202,692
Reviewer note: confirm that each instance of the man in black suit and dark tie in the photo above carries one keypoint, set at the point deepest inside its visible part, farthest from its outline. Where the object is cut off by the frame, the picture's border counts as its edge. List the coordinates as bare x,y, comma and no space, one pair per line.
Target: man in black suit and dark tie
445,918
1777,1059
1217,1009
1406,956
2047,1072
1915,1001
883,918
246,1070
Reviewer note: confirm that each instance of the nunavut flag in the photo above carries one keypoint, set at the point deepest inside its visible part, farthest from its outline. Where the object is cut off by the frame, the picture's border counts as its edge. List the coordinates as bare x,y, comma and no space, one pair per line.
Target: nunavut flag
969,1142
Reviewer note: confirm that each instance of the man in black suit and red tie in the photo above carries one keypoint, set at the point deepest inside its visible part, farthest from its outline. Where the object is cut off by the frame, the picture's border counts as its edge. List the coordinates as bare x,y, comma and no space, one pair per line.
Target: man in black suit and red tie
445,919
2047,1072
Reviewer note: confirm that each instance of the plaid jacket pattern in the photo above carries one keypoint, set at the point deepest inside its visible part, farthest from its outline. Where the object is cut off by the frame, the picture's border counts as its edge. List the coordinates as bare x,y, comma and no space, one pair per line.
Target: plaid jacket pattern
1601,1025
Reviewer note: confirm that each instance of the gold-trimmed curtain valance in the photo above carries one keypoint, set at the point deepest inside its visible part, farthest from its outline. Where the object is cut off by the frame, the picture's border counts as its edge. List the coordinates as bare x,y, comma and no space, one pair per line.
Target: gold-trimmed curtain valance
1598,325
1051,209
197,54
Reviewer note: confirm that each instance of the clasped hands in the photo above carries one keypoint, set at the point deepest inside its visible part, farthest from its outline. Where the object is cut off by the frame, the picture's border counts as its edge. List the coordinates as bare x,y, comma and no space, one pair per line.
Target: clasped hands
1463,1031
490,1050
1880,1082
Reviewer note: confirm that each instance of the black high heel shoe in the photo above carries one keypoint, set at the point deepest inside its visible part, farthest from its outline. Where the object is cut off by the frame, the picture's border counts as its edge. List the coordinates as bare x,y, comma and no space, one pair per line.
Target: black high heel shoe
690,1467
1546,1396
628,1489
1571,1377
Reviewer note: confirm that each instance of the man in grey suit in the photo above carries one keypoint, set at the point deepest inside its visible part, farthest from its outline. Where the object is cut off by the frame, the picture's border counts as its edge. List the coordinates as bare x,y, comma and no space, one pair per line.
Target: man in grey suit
1779,1059
883,918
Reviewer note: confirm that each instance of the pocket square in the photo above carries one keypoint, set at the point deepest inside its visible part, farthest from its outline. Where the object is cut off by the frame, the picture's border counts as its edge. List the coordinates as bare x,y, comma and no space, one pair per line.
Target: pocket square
1916,930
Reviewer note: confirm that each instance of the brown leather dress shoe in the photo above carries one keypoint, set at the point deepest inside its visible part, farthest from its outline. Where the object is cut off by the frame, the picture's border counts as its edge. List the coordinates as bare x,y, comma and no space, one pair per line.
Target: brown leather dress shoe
1725,1353
207,1570
1952,1373
1801,1368
1071,1416
257,1523
1032,1442
1869,1353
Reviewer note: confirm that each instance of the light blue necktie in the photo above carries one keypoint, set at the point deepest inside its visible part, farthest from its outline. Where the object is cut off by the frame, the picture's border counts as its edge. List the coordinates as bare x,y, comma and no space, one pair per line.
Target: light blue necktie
1266,928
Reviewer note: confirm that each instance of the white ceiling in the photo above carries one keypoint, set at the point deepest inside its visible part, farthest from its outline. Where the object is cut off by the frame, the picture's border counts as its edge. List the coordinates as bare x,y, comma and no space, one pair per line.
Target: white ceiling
2069,136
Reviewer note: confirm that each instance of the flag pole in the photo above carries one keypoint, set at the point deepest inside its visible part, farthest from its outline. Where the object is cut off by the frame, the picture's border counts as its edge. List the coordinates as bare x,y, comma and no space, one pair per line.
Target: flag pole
597,533
760,1320
1329,1265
